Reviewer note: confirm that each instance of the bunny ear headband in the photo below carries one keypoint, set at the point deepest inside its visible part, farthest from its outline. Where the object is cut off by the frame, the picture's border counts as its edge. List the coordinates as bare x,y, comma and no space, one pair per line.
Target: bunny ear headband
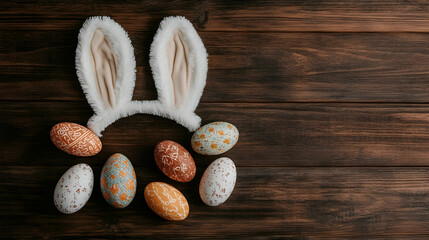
106,69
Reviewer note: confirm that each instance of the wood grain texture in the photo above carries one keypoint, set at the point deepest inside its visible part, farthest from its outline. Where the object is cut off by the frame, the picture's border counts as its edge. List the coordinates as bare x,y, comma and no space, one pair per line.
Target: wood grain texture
221,15
296,202
330,97
283,67
270,134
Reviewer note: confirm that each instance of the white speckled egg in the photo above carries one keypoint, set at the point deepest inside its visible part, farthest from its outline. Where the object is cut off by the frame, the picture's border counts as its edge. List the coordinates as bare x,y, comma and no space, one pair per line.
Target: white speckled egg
214,138
218,181
74,188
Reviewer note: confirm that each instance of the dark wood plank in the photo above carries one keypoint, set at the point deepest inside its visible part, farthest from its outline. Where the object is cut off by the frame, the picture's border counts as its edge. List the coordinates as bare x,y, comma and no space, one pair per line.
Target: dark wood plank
330,99
330,16
270,134
282,202
244,67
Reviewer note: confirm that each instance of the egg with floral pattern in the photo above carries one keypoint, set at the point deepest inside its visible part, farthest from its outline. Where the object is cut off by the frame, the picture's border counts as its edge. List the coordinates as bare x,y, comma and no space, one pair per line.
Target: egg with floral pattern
214,138
174,161
74,188
118,181
166,201
218,181
75,139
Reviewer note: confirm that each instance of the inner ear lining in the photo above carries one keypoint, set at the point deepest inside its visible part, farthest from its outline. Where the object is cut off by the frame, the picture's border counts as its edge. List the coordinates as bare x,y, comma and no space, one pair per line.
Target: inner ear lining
178,67
104,63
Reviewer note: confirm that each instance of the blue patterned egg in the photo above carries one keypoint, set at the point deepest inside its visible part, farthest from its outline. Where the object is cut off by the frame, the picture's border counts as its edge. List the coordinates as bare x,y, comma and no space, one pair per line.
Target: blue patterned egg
118,181
214,138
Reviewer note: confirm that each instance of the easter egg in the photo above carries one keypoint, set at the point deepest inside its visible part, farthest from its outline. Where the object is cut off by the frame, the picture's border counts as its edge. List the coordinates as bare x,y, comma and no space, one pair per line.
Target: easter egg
166,201
214,138
175,161
74,188
218,181
118,181
75,139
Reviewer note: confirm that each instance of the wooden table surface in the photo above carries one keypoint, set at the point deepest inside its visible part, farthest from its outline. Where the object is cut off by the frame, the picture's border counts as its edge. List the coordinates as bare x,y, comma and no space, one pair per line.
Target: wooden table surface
331,99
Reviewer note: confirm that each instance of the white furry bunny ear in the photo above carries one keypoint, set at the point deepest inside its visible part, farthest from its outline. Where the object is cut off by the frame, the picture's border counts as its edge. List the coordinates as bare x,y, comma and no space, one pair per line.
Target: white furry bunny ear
179,65
106,69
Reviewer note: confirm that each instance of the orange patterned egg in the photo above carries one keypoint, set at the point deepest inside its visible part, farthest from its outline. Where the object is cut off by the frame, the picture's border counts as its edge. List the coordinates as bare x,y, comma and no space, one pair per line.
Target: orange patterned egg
175,161
166,201
75,139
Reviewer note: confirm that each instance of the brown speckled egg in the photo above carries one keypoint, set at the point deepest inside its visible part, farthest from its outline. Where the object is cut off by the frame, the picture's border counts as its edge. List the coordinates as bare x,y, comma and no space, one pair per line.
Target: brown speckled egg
75,139
175,161
218,181
166,201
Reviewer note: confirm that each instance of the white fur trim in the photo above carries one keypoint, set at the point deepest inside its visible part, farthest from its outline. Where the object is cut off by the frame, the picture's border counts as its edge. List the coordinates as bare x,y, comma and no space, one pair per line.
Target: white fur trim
164,107
126,68
197,59
98,123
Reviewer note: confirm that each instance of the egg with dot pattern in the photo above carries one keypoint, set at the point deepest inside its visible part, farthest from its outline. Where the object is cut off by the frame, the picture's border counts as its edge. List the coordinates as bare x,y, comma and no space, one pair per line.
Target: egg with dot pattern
74,189
218,181
118,181
214,138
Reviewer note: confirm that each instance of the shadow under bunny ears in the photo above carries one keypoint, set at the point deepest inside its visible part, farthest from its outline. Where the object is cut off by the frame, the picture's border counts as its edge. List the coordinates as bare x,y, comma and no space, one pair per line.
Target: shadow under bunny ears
106,67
